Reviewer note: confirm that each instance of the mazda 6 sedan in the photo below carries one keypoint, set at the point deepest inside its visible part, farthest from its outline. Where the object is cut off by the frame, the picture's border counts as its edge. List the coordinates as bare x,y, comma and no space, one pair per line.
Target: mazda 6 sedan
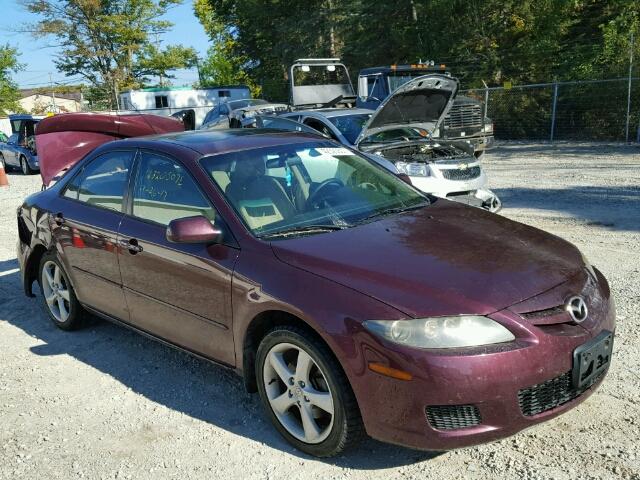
350,301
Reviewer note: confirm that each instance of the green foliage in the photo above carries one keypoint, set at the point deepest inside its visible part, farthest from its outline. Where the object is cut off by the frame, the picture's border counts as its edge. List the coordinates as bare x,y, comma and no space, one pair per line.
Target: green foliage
223,65
9,93
522,41
109,42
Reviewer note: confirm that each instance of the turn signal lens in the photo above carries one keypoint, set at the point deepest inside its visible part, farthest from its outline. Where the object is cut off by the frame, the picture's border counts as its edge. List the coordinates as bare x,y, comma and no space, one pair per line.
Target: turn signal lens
390,372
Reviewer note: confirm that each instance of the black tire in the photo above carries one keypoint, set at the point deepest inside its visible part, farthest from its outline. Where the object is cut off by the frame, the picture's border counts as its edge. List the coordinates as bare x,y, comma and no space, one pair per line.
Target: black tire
24,165
346,429
75,318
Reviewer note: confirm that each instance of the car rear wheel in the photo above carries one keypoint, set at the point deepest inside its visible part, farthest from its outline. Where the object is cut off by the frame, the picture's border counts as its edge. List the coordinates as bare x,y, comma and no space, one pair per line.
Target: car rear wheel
59,298
24,165
305,393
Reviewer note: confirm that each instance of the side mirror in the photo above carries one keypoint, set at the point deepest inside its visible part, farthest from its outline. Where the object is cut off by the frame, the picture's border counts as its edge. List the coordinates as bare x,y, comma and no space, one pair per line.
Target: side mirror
198,229
405,178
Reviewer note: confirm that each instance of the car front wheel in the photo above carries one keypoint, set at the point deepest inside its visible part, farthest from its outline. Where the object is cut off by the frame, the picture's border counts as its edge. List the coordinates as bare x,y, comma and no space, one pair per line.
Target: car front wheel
59,298
305,393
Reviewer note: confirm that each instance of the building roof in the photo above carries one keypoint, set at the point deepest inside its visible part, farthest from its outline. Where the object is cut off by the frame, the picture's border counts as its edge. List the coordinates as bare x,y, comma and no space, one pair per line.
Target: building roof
29,92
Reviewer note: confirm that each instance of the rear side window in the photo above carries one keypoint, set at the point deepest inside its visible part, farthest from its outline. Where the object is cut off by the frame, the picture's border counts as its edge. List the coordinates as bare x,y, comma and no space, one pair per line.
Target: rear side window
103,181
165,191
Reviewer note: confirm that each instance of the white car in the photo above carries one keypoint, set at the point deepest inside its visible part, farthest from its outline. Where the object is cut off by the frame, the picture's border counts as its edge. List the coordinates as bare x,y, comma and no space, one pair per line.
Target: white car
400,130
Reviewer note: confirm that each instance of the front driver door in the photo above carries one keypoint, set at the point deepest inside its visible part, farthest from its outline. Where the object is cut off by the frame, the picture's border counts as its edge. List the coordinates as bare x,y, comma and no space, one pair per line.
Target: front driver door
179,292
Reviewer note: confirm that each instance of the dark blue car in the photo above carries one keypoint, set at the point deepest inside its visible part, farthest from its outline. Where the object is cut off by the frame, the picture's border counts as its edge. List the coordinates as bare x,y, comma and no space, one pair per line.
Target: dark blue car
20,149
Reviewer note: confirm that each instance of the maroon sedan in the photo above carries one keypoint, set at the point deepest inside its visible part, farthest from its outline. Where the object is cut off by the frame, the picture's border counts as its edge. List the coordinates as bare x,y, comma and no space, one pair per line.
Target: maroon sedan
349,300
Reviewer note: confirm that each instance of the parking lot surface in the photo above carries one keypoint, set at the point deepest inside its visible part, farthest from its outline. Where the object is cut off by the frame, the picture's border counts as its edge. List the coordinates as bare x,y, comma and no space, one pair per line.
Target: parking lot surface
107,403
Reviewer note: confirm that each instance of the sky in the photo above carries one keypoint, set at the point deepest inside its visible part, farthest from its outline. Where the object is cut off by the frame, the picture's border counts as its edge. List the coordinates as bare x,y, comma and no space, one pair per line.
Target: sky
37,55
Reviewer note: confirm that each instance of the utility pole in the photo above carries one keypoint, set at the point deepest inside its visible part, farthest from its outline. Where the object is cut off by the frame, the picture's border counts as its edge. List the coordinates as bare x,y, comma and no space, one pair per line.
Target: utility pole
629,88
53,94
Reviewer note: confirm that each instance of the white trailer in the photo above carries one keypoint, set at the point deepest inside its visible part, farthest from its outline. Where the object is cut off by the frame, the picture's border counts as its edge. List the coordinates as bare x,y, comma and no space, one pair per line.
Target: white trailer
169,100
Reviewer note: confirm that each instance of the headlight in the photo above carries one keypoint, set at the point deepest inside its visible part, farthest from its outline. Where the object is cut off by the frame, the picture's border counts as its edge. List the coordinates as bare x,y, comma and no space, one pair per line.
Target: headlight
487,128
441,332
413,169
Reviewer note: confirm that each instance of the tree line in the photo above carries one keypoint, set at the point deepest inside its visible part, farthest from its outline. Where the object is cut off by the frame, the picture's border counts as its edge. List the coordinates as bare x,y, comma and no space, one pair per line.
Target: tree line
112,44
480,41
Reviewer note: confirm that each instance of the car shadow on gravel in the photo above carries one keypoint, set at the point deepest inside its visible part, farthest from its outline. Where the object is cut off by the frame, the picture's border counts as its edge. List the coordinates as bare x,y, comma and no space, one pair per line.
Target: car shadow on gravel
172,378
507,149
615,208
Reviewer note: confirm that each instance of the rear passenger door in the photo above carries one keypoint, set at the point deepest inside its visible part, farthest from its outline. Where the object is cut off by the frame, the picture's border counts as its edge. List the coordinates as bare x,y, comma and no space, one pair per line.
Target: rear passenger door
86,218
179,292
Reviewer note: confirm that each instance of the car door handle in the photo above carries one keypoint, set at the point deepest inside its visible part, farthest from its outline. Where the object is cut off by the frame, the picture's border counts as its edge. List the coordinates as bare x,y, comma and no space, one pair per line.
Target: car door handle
58,218
131,245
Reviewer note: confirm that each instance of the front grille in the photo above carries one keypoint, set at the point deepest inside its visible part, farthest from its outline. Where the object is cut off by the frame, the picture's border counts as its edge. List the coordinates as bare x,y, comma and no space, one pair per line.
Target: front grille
548,312
461,174
464,116
550,394
451,417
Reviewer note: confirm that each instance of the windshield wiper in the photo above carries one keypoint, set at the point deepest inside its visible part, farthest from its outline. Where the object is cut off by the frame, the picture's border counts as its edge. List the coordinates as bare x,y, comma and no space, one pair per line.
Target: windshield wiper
391,211
302,229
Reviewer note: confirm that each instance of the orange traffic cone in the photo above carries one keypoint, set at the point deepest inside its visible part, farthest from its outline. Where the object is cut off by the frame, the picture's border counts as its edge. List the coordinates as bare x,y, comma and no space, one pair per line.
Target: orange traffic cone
4,182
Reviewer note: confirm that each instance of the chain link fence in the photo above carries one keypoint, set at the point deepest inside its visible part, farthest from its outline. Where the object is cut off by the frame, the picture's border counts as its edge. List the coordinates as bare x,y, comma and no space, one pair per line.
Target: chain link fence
580,110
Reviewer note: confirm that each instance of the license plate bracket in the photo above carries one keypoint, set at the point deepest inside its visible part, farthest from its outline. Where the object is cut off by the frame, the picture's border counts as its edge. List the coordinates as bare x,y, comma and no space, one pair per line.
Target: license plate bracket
591,359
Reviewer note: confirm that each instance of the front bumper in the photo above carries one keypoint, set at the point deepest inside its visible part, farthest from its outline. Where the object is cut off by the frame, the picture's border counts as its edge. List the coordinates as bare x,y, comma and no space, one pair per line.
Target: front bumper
480,142
488,382
439,186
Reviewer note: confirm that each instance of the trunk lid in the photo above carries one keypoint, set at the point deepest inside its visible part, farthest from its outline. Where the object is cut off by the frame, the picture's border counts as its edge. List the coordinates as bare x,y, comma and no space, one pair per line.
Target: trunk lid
63,140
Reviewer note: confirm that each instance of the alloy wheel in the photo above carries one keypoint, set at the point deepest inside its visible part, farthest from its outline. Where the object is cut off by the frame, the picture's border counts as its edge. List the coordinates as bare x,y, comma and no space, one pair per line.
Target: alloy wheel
298,393
56,291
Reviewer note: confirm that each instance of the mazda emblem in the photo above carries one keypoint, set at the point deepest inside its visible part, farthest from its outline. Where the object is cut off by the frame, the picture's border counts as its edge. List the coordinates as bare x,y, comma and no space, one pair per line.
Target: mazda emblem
577,308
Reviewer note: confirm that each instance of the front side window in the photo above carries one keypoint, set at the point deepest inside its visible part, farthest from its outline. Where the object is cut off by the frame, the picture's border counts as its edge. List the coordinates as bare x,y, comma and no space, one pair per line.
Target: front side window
103,181
320,127
288,188
164,191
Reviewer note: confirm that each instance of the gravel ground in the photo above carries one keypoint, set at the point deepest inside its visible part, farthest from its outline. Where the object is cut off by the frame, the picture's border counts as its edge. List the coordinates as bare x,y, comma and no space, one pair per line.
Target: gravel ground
107,403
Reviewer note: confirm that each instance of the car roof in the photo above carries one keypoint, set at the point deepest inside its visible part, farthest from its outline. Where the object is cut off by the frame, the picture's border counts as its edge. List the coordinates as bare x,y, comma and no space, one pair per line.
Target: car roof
336,112
25,116
211,142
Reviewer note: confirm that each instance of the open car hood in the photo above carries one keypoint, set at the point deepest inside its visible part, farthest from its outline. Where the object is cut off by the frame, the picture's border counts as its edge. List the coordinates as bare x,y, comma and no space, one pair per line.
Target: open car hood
420,103
63,140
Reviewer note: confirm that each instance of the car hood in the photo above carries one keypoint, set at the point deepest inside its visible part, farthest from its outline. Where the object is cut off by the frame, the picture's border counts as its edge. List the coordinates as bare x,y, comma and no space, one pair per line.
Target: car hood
420,103
444,259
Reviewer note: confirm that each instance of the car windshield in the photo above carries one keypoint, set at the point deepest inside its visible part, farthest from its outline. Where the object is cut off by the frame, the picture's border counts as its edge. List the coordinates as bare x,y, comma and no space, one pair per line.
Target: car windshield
399,79
235,104
350,125
308,188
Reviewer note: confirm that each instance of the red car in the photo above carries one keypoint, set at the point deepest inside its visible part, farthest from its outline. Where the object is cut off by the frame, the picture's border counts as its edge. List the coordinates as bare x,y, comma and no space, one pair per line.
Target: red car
352,302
